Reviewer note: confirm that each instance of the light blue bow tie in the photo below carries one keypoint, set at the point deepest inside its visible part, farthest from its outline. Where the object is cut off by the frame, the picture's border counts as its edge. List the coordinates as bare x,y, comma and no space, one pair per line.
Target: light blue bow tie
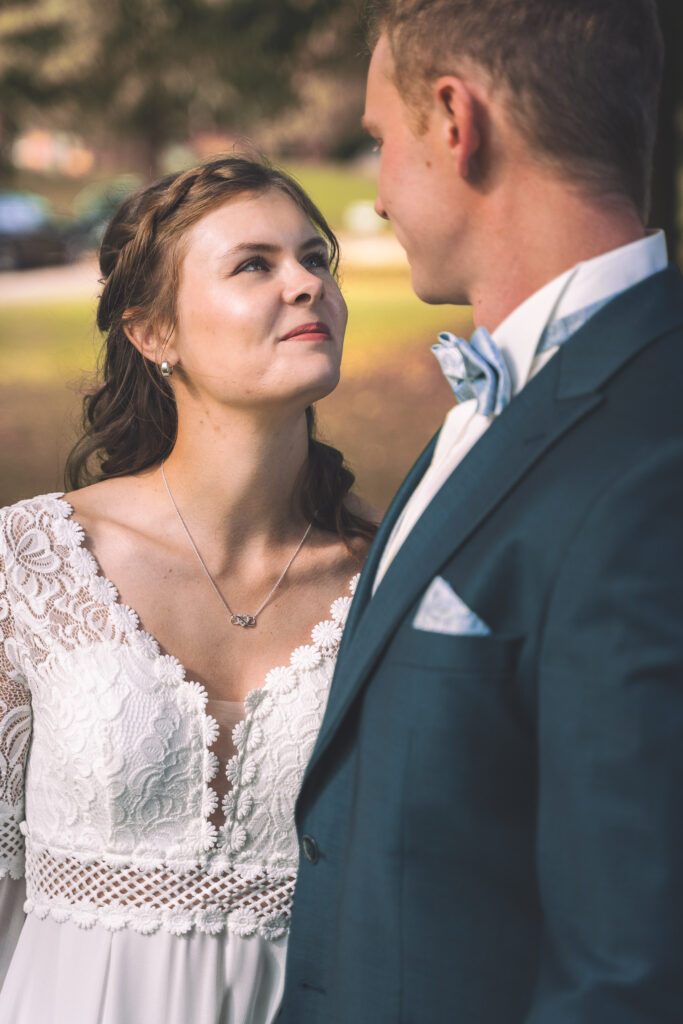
477,368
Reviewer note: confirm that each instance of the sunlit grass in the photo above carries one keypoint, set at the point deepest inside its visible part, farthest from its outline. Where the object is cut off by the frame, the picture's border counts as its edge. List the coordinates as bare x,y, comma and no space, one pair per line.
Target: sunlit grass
333,187
51,341
56,341
385,318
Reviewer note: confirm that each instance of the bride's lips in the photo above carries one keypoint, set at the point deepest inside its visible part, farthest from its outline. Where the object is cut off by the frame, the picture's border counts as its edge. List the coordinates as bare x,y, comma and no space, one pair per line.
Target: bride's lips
316,330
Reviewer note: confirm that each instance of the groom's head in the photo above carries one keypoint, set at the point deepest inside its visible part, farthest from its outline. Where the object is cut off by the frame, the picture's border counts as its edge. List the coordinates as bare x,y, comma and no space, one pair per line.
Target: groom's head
471,99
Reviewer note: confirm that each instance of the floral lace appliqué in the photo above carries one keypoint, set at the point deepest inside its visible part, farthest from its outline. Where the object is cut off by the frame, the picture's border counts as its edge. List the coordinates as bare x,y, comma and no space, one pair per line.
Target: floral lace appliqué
119,790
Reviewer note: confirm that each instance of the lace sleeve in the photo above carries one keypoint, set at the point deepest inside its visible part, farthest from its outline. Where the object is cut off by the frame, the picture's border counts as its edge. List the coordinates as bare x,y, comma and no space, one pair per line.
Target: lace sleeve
15,731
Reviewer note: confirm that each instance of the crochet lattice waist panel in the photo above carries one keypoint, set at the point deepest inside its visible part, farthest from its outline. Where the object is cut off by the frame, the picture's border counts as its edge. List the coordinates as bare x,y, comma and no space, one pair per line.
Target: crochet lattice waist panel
245,901
11,845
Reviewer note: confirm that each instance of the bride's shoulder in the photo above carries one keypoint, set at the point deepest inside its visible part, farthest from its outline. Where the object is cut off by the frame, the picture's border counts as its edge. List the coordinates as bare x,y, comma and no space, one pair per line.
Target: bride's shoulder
360,543
112,504
30,530
360,507
104,496
28,511
347,554
371,519
47,512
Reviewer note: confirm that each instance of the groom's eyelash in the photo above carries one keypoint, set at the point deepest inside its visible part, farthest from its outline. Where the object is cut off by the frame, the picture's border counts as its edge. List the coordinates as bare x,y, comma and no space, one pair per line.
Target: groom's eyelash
375,139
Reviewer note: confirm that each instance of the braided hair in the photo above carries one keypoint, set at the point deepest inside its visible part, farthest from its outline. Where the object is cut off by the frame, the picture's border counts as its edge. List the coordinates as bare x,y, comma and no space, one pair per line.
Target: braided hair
130,419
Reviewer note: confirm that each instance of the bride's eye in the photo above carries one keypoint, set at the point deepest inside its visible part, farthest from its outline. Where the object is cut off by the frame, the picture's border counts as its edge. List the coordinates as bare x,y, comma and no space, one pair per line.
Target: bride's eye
255,263
318,260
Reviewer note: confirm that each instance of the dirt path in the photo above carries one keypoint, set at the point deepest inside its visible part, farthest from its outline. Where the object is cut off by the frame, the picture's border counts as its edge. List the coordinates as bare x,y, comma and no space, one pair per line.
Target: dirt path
73,281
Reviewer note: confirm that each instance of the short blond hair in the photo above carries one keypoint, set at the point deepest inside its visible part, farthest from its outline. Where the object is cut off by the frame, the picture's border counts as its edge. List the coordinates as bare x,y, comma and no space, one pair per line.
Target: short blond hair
582,77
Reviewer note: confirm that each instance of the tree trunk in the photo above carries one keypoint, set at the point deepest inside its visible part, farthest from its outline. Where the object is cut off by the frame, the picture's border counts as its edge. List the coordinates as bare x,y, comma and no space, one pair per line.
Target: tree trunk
7,136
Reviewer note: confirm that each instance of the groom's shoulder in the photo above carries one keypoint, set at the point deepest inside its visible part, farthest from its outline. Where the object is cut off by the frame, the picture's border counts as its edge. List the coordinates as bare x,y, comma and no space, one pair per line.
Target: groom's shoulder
654,306
635,346
661,330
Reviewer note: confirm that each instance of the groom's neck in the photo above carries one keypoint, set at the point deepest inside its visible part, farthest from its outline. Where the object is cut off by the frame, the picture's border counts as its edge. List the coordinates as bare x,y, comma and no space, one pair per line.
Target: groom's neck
533,232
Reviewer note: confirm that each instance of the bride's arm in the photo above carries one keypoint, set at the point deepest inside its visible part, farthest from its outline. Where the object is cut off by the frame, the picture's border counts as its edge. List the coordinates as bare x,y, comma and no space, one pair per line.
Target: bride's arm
15,729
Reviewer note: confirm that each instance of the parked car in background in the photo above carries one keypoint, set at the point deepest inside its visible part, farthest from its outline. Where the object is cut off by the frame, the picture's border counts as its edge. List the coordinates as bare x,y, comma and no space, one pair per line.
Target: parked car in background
30,233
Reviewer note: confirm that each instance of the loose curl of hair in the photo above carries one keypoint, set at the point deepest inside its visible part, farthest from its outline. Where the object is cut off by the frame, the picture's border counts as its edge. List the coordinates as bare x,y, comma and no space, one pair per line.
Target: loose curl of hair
130,420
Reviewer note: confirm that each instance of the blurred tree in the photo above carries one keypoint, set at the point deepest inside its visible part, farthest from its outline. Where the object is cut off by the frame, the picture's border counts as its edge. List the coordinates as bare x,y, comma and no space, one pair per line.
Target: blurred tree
160,70
328,87
42,44
157,71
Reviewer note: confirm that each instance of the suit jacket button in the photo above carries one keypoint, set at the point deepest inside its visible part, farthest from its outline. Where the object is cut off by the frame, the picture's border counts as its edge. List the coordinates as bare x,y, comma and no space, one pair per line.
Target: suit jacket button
310,848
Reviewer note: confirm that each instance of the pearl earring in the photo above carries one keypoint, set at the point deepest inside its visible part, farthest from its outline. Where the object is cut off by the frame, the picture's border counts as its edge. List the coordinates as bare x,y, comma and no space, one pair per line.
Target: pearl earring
166,368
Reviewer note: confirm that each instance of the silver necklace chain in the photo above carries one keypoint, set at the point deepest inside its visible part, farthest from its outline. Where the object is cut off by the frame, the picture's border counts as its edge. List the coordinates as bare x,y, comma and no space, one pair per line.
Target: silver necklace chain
237,619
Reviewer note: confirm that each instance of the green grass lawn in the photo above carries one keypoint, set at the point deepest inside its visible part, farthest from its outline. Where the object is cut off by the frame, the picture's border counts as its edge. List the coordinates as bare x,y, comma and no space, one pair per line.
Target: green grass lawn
385,318
50,342
333,187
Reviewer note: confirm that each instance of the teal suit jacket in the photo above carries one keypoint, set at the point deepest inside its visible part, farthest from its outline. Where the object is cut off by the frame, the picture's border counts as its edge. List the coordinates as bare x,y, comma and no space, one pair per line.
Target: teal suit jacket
492,826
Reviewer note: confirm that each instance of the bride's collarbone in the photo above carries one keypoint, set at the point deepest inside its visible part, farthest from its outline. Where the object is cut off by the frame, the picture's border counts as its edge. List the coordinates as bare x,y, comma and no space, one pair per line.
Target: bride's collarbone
175,603
156,573
230,661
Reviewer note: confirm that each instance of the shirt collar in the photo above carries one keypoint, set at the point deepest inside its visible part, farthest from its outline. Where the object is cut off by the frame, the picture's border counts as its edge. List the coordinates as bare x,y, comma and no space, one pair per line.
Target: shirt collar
602,277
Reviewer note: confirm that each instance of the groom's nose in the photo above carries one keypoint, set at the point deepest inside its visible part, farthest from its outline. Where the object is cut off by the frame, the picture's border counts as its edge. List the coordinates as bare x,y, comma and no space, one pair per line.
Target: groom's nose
379,209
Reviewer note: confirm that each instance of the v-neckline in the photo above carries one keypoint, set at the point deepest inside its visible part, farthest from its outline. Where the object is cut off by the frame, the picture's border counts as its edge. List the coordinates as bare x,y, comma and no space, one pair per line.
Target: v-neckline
157,653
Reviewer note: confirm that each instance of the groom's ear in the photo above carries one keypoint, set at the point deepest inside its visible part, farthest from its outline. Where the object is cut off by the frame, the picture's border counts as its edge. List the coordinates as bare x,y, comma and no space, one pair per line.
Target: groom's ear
460,117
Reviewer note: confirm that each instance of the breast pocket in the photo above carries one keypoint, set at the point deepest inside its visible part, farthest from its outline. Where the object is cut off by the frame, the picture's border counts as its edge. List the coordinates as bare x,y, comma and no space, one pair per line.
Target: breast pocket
455,655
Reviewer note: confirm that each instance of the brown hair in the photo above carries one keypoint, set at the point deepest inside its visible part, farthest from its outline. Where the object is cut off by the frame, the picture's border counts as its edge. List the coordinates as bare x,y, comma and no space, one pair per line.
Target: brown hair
130,420
582,76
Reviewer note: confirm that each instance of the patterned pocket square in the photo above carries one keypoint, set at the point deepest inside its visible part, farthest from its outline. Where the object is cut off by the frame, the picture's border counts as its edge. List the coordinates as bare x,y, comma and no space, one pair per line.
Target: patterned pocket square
442,611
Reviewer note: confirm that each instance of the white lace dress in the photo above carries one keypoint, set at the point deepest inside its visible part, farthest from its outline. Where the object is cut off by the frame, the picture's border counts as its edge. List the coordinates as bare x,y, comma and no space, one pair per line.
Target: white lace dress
136,907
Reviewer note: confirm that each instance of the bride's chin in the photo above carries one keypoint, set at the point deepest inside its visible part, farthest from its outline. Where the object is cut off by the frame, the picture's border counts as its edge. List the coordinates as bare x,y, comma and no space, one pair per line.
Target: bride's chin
315,392
322,390
320,376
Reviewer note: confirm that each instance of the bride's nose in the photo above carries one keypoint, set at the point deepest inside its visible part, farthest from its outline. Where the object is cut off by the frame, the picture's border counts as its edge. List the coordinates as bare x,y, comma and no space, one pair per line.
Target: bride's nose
302,287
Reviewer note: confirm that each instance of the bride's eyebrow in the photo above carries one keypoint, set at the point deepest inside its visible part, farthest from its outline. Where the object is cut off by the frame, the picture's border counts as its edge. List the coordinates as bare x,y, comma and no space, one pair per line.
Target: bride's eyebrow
249,248
316,242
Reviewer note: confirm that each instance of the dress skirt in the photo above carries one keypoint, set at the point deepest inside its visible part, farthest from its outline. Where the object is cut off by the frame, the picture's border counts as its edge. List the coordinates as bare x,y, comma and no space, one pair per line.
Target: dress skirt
64,974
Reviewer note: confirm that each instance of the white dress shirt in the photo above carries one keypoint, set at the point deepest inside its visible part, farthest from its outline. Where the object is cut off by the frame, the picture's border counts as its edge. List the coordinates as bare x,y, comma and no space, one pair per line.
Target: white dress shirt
518,337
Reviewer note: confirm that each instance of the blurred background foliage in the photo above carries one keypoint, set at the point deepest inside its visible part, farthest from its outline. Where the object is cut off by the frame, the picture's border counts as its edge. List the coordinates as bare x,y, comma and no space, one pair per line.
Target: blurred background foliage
148,73
97,97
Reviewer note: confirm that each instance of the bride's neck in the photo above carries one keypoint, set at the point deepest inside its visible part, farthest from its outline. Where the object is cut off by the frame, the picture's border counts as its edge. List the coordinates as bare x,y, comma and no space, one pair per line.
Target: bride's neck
236,476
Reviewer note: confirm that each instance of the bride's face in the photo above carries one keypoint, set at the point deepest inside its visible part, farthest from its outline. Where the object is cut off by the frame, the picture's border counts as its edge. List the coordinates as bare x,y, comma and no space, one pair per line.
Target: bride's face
260,319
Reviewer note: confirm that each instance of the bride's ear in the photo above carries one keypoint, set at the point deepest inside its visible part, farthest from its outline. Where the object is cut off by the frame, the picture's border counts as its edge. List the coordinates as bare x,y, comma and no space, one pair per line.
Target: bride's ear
147,340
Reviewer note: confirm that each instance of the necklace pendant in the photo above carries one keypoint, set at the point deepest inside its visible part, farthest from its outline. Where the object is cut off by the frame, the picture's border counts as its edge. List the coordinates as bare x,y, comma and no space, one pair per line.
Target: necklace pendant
246,621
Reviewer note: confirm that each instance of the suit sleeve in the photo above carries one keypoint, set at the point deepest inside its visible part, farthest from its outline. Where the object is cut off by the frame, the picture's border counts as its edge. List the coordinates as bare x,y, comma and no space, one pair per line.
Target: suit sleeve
610,802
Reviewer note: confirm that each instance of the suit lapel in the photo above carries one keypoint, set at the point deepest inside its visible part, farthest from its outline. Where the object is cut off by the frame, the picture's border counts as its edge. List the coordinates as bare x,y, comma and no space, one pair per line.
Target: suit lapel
560,396
512,444
364,589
